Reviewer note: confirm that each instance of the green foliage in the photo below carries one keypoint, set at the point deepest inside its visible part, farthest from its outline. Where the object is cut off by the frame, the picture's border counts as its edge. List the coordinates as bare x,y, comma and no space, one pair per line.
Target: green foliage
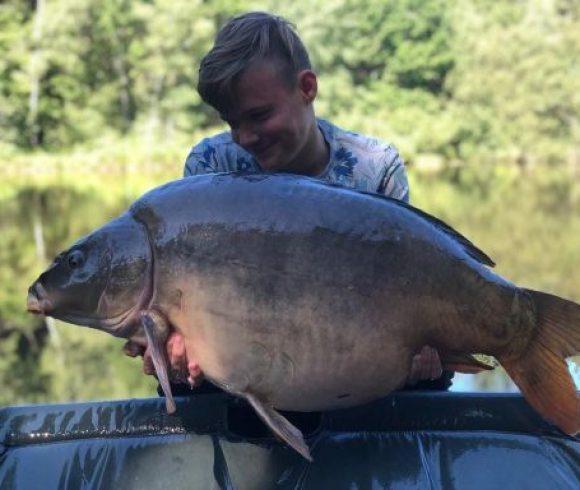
84,364
516,82
14,19
461,79
403,43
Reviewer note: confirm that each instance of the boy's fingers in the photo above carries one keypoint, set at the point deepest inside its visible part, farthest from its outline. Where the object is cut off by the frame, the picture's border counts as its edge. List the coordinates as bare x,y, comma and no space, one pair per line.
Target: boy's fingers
177,357
182,370
148,367
426,365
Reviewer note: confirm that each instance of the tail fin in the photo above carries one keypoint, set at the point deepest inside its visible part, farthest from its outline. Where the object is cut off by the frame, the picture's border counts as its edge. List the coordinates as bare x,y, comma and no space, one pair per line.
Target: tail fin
541,372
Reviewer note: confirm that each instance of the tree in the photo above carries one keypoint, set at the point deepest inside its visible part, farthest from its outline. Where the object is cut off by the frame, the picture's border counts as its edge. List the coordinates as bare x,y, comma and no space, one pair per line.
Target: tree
515,84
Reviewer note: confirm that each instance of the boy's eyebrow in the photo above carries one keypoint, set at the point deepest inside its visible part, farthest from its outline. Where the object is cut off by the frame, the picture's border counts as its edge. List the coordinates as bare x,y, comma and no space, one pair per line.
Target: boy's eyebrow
247,112
258,108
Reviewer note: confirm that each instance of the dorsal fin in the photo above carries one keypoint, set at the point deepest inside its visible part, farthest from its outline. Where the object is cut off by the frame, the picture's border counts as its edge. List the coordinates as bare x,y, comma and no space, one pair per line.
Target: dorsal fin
469,247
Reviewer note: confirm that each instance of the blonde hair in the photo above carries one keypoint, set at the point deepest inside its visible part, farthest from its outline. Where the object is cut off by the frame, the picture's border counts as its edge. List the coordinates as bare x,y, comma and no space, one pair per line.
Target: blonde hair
243,40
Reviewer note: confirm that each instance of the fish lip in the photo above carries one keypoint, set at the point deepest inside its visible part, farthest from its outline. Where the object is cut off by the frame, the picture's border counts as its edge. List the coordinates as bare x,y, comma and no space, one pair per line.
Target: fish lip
33,304
37,301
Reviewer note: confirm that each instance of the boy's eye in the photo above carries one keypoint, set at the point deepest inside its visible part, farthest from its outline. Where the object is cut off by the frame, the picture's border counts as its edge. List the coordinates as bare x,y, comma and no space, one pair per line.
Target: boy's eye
261,116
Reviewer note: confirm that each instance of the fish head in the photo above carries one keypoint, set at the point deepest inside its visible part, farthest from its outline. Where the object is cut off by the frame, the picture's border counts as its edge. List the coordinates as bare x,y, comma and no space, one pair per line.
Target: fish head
101,281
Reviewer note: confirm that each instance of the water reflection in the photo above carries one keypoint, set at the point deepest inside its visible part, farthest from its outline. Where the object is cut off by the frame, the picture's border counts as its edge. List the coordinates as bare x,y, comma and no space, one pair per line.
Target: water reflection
37,220
498,381
42,360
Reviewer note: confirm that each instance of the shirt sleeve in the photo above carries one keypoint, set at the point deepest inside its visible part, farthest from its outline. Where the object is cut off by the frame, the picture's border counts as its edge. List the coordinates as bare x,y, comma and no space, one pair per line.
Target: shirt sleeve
394,183
202,159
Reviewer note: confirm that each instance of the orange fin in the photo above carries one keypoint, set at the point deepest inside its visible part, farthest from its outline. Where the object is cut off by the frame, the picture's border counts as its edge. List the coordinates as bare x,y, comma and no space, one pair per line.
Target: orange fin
463,363
541,372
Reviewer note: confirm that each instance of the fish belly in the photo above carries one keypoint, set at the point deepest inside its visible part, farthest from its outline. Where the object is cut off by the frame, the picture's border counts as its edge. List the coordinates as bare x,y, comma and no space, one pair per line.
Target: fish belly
299,361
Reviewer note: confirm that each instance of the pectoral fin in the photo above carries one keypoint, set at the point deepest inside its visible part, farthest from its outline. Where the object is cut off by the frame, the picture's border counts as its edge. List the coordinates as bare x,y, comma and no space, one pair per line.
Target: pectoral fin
280,426
156,331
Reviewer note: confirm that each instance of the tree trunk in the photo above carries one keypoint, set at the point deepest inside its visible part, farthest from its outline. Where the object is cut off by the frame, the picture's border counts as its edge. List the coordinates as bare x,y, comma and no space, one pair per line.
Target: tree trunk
35,69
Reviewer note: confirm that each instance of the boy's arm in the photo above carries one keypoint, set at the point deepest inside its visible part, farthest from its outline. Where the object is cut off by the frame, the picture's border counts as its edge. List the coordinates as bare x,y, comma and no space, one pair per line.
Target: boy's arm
394,182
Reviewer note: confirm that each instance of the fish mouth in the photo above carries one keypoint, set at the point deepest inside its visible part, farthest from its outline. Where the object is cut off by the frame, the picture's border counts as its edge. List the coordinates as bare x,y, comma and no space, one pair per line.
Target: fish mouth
37,301
120,325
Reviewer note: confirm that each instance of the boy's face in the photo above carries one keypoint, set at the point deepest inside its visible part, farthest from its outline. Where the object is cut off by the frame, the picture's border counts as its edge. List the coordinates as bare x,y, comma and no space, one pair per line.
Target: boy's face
270,120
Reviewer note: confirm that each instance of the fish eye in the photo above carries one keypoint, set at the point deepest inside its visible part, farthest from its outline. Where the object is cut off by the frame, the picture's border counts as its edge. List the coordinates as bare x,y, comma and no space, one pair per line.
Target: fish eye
76,259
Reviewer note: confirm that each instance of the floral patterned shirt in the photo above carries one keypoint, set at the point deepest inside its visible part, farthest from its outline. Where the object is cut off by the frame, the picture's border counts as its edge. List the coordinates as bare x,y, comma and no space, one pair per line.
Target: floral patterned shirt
356,161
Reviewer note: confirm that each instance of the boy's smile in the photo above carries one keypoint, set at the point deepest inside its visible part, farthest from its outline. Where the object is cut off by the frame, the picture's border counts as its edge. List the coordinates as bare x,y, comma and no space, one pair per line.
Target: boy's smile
275,122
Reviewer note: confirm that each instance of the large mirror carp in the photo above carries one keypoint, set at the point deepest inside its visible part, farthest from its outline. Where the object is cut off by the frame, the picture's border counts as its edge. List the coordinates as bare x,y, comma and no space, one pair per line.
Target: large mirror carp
299,295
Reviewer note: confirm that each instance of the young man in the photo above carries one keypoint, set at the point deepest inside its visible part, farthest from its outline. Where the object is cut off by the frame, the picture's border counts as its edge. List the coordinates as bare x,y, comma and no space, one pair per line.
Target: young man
259,78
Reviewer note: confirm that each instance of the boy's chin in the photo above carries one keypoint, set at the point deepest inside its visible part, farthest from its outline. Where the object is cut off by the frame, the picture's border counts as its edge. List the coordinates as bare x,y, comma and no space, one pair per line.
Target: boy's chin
273,164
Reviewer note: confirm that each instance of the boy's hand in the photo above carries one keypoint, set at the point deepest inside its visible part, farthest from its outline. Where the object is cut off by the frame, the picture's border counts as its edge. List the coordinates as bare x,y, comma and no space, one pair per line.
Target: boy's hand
426,365
181,370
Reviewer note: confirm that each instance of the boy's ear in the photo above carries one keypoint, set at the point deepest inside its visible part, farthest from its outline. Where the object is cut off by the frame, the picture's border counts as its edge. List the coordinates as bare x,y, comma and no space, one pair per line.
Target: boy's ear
307,85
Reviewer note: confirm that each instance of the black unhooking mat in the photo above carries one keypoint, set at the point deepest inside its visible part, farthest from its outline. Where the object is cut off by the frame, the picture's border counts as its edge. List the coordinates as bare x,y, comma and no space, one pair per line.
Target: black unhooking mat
405,441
